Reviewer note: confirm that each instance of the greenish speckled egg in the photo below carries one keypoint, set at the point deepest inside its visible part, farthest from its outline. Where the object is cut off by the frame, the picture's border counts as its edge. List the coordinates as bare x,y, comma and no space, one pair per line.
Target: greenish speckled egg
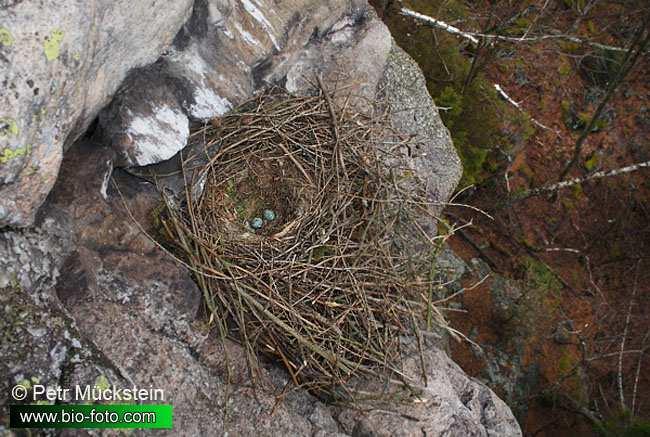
257,223
269,214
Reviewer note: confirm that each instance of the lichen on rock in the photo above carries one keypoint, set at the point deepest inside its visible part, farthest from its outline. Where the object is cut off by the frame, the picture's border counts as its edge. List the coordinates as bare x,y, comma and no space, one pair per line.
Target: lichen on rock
52,44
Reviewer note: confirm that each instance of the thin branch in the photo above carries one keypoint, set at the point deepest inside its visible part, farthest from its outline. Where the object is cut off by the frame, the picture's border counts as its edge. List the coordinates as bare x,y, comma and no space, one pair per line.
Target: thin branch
625,331
638,373
474,37
439,24
517,105
571,182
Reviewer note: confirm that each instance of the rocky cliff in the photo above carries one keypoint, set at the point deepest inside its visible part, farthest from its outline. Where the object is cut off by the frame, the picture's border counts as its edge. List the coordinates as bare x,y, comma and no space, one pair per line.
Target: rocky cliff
85,296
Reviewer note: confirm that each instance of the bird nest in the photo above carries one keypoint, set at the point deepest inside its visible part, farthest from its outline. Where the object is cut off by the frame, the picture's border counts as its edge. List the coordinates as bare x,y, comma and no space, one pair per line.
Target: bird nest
299,235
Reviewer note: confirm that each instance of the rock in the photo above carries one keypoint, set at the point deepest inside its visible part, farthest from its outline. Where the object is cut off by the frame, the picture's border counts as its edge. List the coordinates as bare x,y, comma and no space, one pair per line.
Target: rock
42,345
563,333
506,373
452,268
449,404
413,111
60,63
159,130
480,268
220,57
346,44
31,259
506,296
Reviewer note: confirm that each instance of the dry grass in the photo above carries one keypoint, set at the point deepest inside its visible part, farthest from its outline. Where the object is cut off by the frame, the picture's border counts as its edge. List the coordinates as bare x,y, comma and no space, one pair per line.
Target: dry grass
330,286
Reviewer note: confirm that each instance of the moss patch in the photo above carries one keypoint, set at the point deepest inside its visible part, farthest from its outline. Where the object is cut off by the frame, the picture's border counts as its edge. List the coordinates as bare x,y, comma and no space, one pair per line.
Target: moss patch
592,162
474,114
540,277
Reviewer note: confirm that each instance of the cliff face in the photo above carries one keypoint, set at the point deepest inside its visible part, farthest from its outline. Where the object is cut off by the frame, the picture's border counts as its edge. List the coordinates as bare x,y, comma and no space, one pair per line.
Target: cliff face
85,294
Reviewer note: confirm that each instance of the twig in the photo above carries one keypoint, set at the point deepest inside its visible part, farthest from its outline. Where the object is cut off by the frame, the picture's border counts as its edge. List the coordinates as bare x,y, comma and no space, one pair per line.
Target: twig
473,37
571,182
518,106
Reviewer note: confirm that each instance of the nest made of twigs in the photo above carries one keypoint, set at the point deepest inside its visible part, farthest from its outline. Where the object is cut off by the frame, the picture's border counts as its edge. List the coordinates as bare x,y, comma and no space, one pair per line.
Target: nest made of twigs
327,287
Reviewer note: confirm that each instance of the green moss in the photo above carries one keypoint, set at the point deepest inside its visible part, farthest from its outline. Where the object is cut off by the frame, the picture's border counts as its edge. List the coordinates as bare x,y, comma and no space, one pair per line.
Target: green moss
624,424
569,115
565,68
453,102
52,44
566,363
6,39
568,204
519,27
527,171
475,111
578,192
474,125
540,277
319,253
591,163
571,48
10,154
584,118
26,384
565,105
524,126
519,192
244,206
591,27
579,120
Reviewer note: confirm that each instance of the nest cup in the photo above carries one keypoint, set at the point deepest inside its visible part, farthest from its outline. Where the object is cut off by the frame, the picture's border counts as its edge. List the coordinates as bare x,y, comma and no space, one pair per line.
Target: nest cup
325,288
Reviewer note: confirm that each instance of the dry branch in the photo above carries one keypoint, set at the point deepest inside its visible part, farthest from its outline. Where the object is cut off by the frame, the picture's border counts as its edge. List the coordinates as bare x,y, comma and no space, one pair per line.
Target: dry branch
475,37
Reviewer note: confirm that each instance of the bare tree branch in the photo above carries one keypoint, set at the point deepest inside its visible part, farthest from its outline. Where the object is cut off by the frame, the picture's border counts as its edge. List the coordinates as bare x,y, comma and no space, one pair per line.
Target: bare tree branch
569,183
517,105
638,372
439,24
474,37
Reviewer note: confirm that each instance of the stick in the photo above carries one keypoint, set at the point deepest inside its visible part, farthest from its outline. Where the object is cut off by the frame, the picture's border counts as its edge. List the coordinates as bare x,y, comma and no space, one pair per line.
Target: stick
510,100
473,37
571,182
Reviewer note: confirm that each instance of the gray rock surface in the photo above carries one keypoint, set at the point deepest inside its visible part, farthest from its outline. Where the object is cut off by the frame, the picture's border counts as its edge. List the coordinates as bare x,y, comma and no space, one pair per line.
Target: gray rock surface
449,404
42,345
60,63
225,52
